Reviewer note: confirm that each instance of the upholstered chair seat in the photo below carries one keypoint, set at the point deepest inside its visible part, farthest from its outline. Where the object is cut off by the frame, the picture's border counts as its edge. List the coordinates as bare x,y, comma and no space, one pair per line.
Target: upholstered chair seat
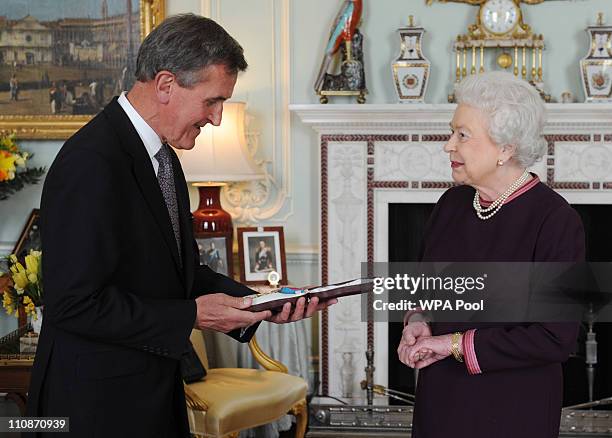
229,400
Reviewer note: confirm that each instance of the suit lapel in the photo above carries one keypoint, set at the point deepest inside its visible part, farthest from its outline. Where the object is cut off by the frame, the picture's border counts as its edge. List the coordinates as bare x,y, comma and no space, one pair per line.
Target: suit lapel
186,223
145,175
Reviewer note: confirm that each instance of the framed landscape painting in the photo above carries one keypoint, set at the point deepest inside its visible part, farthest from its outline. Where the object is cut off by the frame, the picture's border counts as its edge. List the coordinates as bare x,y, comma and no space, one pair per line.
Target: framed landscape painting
62,61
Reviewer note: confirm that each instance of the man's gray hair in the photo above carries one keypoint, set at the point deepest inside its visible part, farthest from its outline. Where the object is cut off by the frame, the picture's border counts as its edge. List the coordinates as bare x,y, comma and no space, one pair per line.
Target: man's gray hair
184,45
515,111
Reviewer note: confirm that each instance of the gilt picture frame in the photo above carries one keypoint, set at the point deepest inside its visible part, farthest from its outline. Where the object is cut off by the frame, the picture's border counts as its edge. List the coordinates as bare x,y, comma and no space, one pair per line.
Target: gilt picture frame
59,66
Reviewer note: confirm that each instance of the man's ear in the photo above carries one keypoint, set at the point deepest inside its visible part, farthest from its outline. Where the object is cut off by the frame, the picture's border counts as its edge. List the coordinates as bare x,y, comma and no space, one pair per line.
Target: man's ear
164,83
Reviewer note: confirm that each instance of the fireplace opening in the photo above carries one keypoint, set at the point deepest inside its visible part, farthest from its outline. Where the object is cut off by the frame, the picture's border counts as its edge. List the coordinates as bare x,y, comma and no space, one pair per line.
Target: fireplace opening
406,226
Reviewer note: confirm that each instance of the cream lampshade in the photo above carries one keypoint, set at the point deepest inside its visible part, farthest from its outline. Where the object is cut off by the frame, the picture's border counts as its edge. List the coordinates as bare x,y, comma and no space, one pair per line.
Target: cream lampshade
220,155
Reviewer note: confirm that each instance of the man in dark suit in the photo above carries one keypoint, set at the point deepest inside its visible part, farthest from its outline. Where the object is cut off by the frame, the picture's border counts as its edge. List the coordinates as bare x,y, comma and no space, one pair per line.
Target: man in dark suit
123,283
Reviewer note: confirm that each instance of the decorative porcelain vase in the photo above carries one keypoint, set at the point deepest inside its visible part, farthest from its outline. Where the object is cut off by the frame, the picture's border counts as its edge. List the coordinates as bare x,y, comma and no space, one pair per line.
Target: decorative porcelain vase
411,69
37,322
596,67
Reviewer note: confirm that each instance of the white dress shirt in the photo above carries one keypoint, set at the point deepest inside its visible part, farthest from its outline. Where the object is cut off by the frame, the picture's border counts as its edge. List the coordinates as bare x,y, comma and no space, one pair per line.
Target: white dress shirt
148,136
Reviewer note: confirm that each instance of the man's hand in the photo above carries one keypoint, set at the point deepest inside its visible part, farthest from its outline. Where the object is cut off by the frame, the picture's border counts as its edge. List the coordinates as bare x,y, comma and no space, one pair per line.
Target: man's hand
299,313
224,313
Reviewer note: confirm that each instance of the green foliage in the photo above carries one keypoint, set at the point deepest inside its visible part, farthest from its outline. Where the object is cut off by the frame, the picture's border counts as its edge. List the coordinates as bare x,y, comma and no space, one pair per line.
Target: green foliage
28,176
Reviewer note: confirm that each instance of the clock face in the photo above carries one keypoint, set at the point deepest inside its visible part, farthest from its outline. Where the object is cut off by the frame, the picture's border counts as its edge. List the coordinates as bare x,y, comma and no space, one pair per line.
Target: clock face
499,16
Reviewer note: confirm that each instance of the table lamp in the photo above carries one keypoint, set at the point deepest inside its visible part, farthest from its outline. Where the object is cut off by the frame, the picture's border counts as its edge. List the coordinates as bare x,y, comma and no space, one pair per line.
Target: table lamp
220,156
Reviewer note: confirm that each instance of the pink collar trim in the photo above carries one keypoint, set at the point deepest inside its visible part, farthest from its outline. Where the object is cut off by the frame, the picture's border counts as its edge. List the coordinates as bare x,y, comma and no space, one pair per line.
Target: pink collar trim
522,189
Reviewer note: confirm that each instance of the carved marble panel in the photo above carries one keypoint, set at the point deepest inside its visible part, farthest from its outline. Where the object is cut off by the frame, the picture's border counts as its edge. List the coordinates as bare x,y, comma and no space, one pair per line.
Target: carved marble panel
583,161
410,161
346,245
346,204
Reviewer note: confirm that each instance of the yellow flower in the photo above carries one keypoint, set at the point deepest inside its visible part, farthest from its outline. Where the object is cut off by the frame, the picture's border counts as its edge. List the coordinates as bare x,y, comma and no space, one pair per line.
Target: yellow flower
27,285
7,161
20,161
29,307
7,302
21,281
17,267
11,158
19,276
31,261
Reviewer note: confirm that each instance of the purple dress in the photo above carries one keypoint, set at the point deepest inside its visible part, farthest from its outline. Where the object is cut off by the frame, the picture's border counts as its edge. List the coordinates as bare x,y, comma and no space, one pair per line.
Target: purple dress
520,390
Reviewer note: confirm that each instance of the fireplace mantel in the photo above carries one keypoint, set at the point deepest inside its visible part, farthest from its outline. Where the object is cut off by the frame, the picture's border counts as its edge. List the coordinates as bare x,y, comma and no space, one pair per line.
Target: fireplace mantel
397,117
374,155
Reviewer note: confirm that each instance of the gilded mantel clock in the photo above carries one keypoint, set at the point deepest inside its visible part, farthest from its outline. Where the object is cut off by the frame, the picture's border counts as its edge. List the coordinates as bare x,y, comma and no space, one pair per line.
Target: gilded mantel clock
500,32
499,17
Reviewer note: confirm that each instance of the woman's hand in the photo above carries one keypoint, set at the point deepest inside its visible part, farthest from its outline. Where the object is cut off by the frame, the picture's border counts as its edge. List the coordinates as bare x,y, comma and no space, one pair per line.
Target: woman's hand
413,332
435,347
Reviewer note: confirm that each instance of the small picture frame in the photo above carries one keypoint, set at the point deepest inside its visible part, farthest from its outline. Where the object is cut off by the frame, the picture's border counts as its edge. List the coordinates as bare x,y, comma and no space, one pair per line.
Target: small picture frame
261,251
216,252
29,237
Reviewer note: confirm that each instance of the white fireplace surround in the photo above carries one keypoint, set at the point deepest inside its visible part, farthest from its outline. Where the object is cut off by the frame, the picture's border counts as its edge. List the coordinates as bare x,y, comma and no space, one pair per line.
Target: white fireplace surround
374,155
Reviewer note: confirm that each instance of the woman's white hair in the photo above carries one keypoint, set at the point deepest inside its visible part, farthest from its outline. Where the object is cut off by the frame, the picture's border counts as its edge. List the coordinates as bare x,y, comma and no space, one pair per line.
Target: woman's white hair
515,111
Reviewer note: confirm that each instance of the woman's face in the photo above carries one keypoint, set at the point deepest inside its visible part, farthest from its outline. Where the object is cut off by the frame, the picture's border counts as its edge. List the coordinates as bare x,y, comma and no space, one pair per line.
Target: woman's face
472,153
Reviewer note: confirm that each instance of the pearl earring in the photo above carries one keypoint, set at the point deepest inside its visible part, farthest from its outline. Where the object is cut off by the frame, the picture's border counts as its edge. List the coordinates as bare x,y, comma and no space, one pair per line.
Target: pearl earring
500,162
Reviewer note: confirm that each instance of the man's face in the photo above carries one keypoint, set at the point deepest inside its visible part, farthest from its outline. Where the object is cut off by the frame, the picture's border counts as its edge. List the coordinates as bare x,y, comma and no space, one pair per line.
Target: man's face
190,109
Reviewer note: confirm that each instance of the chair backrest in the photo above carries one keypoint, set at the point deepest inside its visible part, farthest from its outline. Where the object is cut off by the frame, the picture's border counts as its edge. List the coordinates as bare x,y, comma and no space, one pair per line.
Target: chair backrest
197,340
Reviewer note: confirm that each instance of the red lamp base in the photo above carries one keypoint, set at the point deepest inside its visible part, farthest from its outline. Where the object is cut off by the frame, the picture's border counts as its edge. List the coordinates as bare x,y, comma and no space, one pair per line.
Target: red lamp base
210,216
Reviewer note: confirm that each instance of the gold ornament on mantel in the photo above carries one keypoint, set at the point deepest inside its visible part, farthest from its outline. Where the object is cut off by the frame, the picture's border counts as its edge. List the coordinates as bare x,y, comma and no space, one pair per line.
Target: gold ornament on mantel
500,32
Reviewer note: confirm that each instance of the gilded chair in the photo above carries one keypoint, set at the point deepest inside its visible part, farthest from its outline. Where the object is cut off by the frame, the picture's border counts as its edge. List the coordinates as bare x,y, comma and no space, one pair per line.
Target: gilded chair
229,400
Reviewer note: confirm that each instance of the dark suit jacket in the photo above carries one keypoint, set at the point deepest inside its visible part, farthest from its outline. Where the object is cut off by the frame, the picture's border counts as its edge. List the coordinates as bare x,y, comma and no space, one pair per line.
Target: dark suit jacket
118,306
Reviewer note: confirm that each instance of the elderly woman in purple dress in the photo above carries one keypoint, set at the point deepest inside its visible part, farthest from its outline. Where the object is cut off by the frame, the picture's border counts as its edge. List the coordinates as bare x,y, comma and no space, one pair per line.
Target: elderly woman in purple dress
483,380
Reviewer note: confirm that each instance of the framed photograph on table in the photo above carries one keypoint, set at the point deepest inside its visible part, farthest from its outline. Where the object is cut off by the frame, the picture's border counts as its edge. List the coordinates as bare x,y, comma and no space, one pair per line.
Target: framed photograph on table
216,252
29,237
62,61
261,251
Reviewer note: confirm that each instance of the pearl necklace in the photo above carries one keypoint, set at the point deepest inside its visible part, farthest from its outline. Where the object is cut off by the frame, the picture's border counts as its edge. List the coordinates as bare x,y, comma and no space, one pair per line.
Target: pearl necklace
497,204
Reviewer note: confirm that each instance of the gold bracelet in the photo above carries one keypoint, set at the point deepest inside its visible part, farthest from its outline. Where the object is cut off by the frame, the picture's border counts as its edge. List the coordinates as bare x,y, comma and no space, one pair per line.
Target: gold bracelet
456,352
